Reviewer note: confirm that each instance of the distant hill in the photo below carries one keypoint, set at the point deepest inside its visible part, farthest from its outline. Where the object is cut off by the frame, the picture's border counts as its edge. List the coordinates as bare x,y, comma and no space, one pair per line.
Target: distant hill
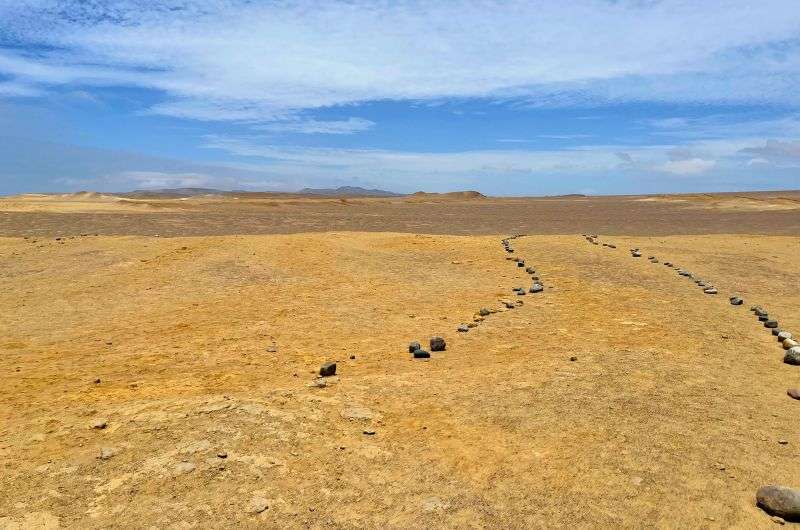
455,195
350,191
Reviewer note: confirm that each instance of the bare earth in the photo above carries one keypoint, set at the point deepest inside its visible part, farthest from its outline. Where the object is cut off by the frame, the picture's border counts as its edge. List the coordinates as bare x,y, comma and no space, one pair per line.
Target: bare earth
206,350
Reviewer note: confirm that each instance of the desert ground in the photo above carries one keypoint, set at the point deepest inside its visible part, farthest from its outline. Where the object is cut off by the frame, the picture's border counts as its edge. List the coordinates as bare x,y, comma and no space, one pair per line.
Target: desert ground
161,357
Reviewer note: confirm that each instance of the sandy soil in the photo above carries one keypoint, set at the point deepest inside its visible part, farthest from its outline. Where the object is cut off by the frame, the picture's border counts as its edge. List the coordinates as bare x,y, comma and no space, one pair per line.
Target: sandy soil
754,213
206,350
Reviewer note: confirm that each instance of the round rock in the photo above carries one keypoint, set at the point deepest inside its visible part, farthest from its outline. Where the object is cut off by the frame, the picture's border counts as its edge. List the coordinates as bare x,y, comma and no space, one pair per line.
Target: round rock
735,300
437,344
783,335
792,356
779,500
463,328
771,324
421,354
414,346
789,343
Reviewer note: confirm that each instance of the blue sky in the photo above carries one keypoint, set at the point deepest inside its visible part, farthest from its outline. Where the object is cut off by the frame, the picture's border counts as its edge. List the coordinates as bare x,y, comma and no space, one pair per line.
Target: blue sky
509,98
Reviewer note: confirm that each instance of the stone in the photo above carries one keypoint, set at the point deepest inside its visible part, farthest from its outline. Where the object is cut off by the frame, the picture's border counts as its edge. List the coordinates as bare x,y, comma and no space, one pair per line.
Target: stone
437,344
257,505
222,454
520,264
530,270
521,292
414,346
710,290
573,358
463,328
509,305
793,393
537,288
636,254
789,343
327,369
763,318
99,423
792,356
183,468
776,332
783,335
421,354
779,500
771,324
735,300
761,312
107,453
472,325
484,312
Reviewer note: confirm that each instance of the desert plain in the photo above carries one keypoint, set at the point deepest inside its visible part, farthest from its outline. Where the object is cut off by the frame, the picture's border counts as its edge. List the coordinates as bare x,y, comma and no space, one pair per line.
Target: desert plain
160,361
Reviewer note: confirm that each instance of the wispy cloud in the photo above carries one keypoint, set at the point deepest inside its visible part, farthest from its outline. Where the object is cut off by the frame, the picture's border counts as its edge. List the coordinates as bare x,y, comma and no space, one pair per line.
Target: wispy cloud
306,126
240,60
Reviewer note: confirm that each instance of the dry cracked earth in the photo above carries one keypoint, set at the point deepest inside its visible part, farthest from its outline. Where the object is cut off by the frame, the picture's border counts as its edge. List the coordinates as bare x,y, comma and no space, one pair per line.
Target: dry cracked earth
171,382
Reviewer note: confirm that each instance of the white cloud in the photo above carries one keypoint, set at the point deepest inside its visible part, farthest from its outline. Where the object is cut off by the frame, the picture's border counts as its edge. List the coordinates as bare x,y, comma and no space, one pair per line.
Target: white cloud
158,179
689,166
238,60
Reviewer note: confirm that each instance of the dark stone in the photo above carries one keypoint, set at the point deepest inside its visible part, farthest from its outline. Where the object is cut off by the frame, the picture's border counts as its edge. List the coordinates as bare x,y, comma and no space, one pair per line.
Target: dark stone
776,331
771,324
520,264
421,354
437,344
414,346
760,311
794,393
735,300
763,318
327,370
484,312
779,500
792,356
530,270
573,358
612,246
636,254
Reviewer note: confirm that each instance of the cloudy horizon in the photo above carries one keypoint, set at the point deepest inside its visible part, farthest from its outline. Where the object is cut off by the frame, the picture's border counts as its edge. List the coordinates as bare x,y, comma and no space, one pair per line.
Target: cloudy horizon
507,98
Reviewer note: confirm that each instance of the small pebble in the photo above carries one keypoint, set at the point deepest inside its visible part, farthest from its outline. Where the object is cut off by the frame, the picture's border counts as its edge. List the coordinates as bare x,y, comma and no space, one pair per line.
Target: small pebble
794,393
736,301
99,424
463,328
414,346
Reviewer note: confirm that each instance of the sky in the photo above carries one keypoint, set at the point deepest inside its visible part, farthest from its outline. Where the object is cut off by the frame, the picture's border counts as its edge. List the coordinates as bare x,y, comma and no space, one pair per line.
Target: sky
504,97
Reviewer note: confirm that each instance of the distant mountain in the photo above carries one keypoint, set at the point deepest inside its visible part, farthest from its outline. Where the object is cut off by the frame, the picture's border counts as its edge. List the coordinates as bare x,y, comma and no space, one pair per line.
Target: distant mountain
349,191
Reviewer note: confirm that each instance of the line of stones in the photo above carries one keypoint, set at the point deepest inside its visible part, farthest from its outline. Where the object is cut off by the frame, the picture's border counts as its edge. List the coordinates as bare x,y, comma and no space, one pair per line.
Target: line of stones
782,502
439,344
